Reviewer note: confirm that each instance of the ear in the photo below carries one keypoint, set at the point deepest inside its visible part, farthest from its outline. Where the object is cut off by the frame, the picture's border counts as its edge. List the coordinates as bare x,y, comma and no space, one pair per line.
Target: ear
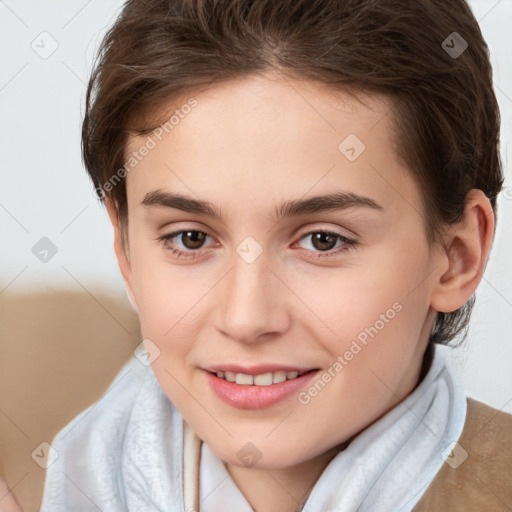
121,249
463,263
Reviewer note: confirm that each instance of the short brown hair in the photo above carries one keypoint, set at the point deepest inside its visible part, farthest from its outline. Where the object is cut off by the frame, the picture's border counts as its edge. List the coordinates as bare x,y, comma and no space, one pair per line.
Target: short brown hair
413,51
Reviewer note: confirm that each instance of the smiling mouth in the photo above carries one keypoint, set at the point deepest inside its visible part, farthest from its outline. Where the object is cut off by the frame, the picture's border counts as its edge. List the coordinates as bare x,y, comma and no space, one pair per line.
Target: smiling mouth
262,379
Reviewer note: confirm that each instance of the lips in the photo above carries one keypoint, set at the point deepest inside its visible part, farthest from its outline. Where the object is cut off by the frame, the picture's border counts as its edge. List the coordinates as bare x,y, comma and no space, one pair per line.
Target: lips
257,387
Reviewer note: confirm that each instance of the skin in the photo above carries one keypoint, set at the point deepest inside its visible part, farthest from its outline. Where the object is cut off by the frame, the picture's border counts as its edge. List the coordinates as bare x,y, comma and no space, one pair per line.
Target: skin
8,502
249,145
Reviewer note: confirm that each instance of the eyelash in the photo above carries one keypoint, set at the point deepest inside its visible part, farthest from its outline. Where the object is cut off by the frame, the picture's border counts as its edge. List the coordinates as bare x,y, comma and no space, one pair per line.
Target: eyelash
348,243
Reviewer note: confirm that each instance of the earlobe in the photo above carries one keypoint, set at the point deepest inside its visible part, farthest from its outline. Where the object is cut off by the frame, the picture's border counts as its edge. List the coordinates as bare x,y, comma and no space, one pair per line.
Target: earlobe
121,250
463,264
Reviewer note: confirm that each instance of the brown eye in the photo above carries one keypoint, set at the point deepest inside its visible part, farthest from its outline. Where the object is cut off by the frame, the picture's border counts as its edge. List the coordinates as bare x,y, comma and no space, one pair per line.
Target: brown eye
323,241
193,239
324,244
186,243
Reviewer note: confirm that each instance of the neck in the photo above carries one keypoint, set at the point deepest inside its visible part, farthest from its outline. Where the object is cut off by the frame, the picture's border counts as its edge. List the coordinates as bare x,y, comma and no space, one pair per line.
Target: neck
282,489
425,365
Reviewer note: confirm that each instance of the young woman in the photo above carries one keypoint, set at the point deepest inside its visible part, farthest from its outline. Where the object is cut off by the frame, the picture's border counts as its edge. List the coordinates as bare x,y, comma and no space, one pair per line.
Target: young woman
303,195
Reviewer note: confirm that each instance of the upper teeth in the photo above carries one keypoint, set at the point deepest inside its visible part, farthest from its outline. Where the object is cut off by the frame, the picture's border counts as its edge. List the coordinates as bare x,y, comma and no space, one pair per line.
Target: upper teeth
263,379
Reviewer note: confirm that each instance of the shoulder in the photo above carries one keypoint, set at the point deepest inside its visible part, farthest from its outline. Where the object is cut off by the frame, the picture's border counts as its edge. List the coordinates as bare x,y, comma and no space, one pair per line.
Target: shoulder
477,475
122,432
111,410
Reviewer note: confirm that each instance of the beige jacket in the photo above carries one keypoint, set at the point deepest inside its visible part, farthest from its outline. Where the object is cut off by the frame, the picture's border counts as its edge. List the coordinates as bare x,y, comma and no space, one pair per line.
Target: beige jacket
483,481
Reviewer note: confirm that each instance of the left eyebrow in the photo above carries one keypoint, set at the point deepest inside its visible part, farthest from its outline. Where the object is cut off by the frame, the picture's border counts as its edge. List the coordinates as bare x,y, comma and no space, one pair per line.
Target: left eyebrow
318,204
291,208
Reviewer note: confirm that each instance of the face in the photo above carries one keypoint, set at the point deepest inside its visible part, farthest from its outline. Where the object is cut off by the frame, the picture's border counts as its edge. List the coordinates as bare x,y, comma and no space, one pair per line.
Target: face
315,262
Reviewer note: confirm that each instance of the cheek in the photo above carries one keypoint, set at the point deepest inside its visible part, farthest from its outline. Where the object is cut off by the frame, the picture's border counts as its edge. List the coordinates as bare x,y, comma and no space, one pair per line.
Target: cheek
354,300
168,311
376,310
161,288
167,300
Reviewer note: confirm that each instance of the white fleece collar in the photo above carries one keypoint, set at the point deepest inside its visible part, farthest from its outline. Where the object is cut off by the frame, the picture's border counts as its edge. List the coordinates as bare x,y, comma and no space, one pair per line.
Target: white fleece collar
125,452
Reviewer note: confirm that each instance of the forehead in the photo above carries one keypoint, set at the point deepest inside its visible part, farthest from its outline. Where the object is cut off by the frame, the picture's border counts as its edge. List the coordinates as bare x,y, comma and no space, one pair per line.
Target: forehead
263,137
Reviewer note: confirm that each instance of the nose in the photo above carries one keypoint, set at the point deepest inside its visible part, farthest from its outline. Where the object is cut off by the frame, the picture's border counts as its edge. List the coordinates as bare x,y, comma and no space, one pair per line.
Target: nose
252,306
